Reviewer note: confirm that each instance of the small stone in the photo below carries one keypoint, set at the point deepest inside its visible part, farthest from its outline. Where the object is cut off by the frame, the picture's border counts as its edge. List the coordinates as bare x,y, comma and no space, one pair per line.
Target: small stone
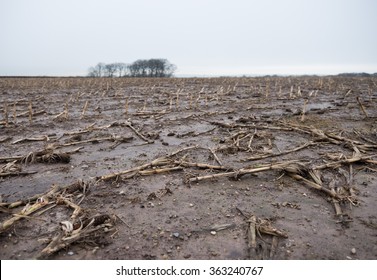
191,205
353,251
85,166
187,256
176,234
213,232
70,253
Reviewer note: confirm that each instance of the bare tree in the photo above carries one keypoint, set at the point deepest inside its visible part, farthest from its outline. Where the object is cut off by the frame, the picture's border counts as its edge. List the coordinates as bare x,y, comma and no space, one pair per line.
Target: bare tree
121,69
169,68
110,69
97,71
133,69
155,67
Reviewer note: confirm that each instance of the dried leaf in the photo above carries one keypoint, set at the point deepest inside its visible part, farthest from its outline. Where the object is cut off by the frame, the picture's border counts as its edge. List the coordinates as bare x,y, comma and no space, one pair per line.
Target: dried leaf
67,227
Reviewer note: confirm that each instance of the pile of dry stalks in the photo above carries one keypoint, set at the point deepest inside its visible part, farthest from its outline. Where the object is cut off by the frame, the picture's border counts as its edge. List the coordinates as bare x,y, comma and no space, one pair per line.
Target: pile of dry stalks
79,227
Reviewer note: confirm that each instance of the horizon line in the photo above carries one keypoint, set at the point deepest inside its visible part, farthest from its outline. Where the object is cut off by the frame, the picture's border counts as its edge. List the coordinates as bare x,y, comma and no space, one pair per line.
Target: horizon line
203,75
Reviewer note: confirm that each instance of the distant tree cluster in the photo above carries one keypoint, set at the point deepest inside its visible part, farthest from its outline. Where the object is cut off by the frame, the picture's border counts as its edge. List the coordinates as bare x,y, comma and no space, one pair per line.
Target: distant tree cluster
362,74
155,67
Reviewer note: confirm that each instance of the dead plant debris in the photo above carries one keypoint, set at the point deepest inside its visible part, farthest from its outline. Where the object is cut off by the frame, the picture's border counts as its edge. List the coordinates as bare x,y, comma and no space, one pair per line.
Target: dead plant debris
172,157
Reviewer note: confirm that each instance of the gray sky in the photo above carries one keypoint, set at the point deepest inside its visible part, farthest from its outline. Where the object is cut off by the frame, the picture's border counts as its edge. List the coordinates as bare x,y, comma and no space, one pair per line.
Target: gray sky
202,37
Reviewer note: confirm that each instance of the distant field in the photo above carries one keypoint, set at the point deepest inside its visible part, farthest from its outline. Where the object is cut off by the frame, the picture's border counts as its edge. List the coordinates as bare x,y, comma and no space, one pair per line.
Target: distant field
188,168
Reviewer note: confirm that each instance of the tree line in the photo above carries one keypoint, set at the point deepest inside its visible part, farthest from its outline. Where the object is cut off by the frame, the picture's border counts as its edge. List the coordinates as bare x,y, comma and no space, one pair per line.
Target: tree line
155,67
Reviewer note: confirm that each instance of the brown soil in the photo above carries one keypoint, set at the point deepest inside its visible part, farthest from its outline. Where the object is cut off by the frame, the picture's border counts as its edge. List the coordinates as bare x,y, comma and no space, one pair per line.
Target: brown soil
160,211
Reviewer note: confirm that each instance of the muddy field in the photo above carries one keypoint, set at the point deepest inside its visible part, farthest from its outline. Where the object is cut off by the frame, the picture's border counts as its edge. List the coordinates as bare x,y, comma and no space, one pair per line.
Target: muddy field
222,168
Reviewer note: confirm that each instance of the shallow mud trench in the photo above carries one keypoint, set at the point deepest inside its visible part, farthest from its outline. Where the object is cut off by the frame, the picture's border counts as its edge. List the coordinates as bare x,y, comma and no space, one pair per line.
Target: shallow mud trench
222,168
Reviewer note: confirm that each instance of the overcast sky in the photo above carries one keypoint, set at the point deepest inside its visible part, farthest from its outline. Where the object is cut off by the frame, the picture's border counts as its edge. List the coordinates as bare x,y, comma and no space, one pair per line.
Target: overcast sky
201,37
